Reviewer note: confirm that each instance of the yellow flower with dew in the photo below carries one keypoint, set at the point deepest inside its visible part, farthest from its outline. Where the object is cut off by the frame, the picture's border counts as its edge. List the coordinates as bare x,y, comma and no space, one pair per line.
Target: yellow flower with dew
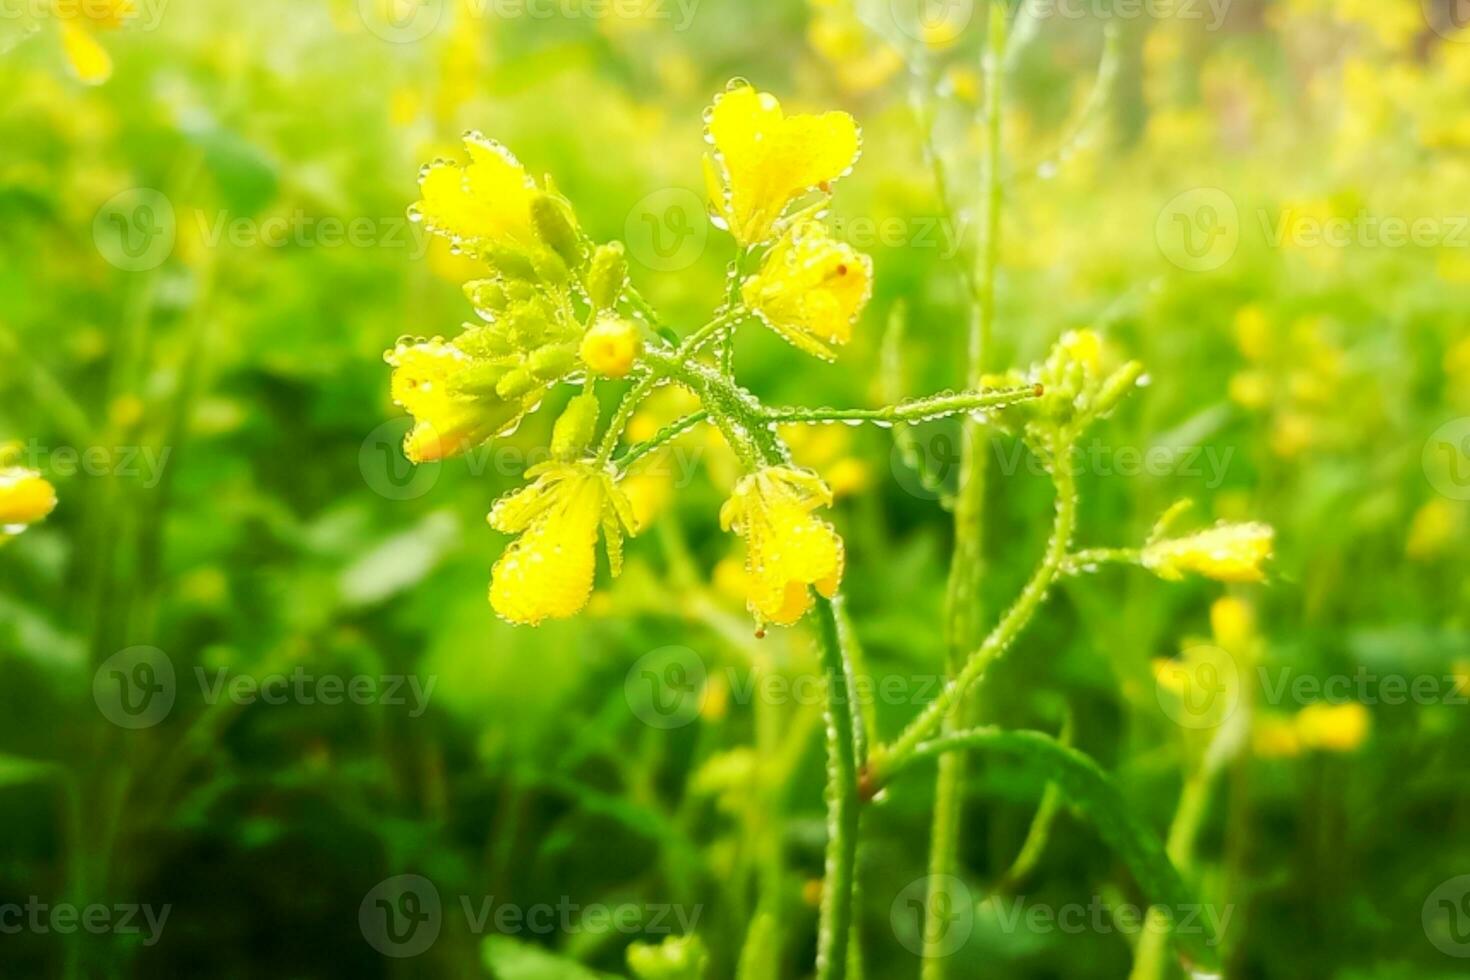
764,160
610,347
1333,727
25,498
453,402
547,572
810,289
1225,553
788,550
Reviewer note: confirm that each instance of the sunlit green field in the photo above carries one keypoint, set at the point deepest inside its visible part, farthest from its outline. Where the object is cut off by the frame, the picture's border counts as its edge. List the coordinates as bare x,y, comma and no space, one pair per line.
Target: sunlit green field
915,664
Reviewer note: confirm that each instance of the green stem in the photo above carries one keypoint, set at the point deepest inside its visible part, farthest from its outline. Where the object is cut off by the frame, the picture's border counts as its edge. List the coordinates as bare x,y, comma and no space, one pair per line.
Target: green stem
1010,626
913,410
663,436
842,798
1150,959
963,608
1084,561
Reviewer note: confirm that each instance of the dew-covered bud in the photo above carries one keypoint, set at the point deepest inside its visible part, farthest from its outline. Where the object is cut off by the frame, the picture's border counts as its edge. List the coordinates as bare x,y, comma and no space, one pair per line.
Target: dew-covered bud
574,429
557,226
610,347
608,275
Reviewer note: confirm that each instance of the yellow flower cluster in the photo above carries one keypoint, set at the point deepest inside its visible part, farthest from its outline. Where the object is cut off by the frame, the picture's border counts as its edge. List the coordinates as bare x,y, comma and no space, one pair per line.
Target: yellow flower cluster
809,288
1321,727
788,550
479,385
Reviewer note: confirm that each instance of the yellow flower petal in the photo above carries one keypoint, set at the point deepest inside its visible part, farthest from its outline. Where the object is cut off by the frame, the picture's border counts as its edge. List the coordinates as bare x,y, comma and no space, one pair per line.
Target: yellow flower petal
489,200
547,573
25,496
89,60
764,159
810,289
787,549
1227,553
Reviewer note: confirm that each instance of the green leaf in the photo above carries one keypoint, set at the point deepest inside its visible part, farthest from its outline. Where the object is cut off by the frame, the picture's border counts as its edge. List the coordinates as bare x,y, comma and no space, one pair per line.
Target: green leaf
1094,795
511,959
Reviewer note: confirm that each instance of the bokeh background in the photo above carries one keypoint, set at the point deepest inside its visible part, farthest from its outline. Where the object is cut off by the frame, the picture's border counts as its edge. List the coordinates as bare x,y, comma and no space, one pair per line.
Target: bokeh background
205,254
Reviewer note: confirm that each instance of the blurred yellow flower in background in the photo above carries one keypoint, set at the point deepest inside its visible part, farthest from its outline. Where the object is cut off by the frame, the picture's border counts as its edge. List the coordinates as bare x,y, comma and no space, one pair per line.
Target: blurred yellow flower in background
764,160
547,572
787,549
861,61
88,59
25,498
1333,727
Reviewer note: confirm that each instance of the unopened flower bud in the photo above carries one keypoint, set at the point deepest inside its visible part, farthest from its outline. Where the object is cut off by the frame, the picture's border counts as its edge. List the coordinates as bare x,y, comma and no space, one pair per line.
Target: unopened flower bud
574,429
610,347
608,275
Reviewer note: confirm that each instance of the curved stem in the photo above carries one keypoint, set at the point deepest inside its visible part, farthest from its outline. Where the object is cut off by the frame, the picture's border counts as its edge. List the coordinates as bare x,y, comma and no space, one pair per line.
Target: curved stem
1088,559
1012,623
663,436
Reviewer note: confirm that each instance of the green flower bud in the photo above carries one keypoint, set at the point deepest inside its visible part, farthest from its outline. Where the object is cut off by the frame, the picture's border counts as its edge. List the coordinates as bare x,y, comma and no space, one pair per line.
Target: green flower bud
512,262
608,275
557,226
552,361
676,958
487,294
517,383
574,430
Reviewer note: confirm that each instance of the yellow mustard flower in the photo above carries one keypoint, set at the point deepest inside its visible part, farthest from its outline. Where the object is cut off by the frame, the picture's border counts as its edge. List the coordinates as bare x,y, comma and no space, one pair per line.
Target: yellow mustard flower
547,572
787,548
434,381
88,59
488,200
610,347
1226,553
1275,738
810,289
764,160
25,498
1333,727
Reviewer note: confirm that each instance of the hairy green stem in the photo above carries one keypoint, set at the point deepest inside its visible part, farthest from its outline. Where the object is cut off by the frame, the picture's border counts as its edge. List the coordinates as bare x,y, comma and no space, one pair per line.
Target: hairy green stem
842,798
1015,620
963,610
913,410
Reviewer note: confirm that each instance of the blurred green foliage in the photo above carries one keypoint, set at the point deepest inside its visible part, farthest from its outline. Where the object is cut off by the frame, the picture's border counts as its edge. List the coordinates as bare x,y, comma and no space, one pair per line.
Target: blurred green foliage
243,508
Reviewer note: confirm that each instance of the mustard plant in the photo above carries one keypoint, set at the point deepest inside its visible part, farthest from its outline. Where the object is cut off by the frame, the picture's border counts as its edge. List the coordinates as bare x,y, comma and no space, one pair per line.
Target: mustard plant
557,308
